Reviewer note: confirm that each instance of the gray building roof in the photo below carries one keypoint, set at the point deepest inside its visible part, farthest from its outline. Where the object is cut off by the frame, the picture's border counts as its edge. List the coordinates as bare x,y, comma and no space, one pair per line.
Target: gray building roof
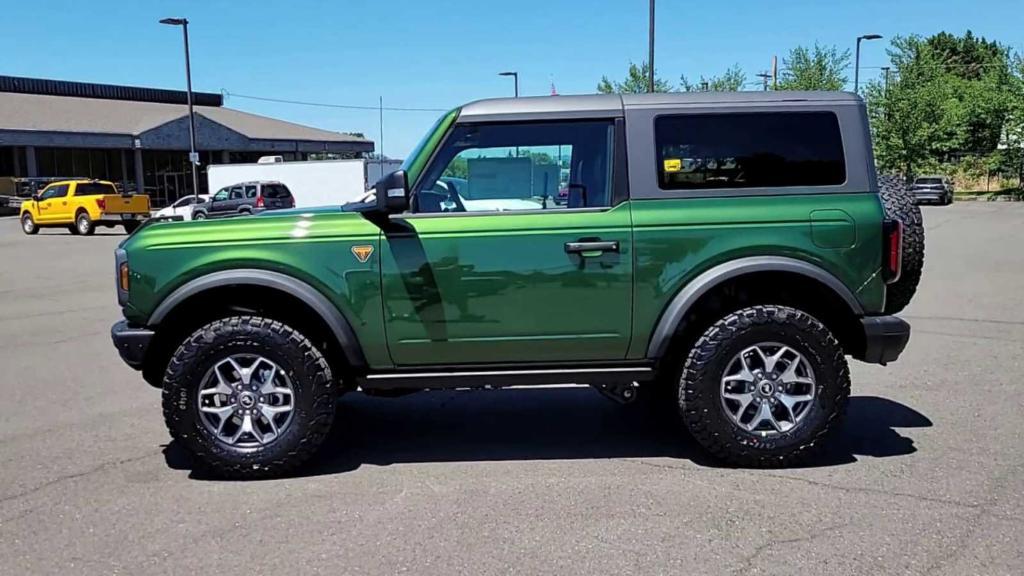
64,114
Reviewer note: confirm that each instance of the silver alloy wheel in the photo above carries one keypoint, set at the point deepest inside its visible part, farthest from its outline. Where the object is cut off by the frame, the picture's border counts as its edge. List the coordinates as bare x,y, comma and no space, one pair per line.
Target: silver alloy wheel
27,224
246,401
768,389
83,224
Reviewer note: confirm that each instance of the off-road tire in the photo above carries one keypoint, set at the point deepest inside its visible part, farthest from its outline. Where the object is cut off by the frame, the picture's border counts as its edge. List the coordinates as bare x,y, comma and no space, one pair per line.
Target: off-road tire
28,224
899,204
700,402
312,383
84,223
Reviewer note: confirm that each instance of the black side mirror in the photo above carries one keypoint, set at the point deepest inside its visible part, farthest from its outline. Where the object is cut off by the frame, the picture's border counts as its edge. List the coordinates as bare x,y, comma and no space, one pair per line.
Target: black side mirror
392,193
35,197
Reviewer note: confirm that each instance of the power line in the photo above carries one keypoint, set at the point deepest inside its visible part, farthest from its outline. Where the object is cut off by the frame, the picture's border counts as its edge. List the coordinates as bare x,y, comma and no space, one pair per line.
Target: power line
326,105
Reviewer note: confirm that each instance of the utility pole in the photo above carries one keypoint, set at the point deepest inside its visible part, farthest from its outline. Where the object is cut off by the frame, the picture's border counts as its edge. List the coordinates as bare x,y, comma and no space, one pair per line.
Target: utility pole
650,52
885,93
764,76
381,112
775,72
193,156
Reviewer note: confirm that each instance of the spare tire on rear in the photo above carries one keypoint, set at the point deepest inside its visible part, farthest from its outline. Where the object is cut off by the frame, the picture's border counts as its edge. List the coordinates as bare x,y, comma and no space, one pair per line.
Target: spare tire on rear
900,205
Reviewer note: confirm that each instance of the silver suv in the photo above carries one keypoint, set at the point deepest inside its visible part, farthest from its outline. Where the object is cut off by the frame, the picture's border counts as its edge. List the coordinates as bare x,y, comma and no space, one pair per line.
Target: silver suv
936,189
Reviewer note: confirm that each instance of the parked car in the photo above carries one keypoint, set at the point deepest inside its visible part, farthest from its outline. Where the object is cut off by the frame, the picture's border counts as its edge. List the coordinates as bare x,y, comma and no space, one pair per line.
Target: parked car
934,189
81,206
733,293
183,206
245,198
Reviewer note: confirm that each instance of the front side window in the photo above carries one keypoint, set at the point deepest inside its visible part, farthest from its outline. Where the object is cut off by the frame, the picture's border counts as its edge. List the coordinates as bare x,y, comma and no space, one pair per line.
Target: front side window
221,195
749,150
59,191
514,167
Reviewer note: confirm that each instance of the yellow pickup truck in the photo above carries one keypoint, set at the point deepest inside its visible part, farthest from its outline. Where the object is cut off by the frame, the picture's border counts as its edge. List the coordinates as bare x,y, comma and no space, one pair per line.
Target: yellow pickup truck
81,206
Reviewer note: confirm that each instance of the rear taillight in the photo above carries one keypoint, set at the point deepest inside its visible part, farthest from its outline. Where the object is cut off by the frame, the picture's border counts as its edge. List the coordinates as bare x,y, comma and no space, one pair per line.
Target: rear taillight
259,201
892,250
101,203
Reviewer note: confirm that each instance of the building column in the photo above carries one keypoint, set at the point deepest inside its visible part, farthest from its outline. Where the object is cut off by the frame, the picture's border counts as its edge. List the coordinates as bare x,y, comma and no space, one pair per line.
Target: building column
225,157
140,174
17,163
30,161
124,171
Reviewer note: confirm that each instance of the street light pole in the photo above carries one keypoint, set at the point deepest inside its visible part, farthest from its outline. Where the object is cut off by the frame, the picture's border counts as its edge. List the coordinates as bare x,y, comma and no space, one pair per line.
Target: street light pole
193,157
856,66
650,51
515,78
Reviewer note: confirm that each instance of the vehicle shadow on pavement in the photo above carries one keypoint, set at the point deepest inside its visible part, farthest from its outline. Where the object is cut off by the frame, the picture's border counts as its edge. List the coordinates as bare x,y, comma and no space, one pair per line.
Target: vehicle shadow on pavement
549,424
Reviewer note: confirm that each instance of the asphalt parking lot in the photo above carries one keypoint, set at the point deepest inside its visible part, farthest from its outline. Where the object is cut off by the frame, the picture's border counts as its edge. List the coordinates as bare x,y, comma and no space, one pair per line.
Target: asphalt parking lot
927,476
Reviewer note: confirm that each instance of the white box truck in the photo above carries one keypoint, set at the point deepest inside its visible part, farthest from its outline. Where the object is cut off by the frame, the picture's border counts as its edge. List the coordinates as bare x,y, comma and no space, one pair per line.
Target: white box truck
312,183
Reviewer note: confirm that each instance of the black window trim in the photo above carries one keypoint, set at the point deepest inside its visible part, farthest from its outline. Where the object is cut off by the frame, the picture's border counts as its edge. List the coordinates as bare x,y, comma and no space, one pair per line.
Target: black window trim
620,173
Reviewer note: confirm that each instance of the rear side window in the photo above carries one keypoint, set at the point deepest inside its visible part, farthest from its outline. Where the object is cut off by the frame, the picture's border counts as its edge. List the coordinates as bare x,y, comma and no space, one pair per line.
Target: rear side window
250,191
275,191
94,189
749,150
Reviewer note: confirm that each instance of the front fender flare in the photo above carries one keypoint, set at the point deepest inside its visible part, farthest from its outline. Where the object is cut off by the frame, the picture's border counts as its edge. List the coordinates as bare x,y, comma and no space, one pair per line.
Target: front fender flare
677,309
328,312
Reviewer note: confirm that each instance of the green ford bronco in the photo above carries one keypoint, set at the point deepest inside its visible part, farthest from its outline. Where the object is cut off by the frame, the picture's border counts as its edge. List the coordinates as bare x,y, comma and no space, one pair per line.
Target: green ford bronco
719,252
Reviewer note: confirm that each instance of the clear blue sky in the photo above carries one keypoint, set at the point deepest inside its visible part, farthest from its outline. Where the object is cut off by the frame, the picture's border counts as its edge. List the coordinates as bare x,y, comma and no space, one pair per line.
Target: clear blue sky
440,54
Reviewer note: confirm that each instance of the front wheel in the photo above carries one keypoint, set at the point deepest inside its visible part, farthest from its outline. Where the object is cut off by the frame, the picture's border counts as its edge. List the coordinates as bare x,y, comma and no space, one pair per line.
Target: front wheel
28,225
764,387
249,396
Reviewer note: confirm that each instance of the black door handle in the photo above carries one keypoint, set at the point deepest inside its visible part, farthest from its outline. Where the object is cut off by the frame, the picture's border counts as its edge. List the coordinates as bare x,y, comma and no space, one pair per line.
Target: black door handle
599,246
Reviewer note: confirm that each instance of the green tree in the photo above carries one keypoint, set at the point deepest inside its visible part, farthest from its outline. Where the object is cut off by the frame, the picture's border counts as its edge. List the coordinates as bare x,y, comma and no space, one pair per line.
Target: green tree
817,68
731,80
634,83
949,97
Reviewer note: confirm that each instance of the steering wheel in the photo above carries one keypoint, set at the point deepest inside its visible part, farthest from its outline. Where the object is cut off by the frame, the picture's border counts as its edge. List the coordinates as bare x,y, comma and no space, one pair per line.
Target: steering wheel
442,197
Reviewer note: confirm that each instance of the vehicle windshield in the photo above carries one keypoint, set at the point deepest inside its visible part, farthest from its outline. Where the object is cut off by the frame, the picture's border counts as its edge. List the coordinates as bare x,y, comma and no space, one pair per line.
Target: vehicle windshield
929,180
422,143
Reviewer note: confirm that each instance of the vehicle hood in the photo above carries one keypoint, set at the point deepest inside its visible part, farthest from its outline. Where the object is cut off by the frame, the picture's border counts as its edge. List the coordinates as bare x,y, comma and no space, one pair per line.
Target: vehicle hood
279,226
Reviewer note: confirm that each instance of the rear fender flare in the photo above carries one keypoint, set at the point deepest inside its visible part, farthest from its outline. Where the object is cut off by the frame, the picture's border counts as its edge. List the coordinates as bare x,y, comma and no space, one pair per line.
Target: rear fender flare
673,315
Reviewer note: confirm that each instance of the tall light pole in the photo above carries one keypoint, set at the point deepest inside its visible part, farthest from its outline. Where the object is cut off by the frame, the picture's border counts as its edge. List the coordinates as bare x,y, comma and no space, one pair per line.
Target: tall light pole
650,51
193,157
515,77
856,66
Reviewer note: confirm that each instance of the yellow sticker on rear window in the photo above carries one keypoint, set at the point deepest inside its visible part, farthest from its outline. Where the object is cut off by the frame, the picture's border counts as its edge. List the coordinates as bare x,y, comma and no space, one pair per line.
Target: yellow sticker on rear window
673,164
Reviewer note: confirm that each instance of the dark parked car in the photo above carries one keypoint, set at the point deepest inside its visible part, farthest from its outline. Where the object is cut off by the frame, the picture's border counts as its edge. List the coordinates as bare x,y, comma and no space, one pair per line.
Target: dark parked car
936,189
245,198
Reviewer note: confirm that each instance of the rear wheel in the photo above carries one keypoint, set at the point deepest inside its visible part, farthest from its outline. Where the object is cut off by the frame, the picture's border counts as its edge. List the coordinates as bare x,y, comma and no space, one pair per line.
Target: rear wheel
199,215
84,223
764,387
249,396
899,204
28,225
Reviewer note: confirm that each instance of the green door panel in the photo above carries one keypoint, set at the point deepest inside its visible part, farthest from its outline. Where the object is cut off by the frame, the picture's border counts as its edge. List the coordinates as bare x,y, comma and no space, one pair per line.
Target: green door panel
674,240
833,229
500,287
314,247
